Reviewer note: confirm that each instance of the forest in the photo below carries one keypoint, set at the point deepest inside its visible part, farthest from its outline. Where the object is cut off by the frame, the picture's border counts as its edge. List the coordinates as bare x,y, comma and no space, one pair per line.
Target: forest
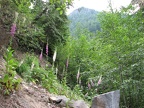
106,53
83,18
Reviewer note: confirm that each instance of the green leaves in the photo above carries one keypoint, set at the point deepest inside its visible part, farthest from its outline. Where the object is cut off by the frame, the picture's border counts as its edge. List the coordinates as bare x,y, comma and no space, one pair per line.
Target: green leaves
121,32
11,63
23,5
9,83
6,78
116,53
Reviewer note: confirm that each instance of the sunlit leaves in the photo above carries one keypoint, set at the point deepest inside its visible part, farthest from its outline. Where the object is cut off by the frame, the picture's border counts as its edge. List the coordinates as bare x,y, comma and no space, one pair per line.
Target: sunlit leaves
23,5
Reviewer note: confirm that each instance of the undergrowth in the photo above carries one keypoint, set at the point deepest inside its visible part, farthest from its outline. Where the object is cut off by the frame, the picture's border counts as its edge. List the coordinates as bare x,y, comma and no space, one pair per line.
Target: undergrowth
9,82
31,71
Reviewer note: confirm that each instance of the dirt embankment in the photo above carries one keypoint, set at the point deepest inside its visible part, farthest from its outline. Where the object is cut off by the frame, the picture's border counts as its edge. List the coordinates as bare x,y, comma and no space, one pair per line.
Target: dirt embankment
29,96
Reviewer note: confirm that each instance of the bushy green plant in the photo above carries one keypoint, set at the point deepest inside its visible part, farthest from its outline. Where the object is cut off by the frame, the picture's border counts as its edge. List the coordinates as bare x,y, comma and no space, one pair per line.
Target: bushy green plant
9,82
28,68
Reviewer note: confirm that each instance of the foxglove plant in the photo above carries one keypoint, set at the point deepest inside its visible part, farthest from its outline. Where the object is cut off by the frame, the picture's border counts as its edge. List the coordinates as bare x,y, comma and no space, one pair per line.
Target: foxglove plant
21,63
54,56
86,94
47,49
89,86
99,81
56,71
78,74
67,62
32,66
79,81
16,16
13,29
40,57
92,83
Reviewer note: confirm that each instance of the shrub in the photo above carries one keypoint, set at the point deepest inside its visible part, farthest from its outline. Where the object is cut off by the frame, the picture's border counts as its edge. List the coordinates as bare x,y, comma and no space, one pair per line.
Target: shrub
10,82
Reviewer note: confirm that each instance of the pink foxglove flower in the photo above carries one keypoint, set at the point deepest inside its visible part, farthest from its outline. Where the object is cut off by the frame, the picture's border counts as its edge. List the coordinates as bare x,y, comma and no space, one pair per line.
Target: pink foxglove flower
67,62
89,86
41,55
92,83
13,29
54,56
47,49
78,74
99,81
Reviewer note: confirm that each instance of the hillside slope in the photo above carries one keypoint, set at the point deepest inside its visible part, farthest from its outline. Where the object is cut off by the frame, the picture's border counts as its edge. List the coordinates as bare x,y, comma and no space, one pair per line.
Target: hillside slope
84,18
35,95
29,96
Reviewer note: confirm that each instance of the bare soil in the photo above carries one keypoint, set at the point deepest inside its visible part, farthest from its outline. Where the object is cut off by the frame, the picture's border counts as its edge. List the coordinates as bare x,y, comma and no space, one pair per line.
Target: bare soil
29,96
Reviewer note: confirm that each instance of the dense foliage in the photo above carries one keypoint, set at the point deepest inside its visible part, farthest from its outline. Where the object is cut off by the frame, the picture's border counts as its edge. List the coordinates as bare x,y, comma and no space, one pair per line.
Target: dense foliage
37,22
32,28
112,60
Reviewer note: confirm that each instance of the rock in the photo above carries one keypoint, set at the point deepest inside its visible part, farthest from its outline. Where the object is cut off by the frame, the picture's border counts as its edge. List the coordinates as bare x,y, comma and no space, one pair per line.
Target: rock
61,101
77,104
107,100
